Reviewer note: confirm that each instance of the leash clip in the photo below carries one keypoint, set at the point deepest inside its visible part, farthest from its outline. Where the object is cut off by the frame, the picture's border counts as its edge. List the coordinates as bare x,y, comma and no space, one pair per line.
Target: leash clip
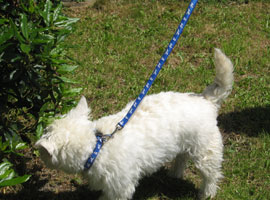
106,137
117,128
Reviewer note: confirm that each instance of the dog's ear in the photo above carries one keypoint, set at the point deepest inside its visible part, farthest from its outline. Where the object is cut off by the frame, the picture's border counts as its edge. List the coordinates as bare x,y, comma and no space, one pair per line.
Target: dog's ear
81,109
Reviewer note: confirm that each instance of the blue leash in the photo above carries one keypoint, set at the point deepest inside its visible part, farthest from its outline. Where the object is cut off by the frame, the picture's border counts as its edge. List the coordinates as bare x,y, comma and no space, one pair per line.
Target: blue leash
160,64
103,138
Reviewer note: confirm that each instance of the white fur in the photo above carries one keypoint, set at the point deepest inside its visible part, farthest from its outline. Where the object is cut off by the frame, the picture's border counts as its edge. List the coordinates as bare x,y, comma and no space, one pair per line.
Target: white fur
166,126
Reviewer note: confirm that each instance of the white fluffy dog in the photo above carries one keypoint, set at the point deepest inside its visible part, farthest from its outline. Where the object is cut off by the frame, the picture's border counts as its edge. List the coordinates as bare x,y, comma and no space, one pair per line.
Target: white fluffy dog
166,126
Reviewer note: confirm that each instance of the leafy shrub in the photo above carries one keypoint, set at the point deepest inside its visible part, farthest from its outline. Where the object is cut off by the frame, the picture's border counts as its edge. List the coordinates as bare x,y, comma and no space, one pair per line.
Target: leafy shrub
32,71
8,176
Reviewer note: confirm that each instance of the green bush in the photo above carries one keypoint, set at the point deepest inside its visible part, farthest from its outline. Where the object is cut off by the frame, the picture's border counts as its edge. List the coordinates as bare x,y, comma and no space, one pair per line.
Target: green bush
32,72
8,176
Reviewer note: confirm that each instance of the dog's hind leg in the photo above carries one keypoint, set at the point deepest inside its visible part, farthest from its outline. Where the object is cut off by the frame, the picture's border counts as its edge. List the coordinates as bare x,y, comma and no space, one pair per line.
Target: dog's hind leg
179,165
210,168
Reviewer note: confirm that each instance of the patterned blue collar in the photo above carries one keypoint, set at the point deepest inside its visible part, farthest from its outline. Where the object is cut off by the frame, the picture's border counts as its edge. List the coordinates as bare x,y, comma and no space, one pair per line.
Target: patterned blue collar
100,141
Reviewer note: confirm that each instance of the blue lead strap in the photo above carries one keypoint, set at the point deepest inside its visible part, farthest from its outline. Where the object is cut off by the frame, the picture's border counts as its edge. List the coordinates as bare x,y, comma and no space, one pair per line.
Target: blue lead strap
101,139
160,64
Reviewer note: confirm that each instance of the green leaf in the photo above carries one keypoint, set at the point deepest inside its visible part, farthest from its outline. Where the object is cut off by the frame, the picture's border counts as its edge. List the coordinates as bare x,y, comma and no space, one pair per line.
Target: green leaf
66,22
40,41
24,26
57,12
3,145
66,68
15,181
4,166
7,174
72,92
44,107
67,80
47,12
15,31
25,48
31,6
58,61
39,130
21,146
12,74
61,38
3,21
6,35
46,37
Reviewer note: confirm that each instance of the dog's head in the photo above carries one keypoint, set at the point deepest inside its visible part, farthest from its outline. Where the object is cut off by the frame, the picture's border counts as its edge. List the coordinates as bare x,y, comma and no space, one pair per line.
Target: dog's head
63,142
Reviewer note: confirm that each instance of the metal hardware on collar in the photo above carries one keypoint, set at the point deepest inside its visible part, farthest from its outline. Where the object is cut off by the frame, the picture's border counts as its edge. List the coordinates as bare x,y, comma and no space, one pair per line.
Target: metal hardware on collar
100,134
117,128
106,137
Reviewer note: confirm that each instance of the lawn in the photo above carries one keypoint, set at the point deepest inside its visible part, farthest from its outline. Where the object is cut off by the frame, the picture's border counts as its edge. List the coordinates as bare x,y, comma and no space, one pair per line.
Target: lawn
117,45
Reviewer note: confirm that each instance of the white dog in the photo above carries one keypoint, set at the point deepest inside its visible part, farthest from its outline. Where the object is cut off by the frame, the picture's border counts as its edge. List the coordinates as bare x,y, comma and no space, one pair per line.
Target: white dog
166,126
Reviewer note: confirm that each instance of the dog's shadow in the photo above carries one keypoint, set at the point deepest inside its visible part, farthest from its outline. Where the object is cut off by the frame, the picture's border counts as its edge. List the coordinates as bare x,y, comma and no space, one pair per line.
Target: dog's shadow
250,121
156,185
161,185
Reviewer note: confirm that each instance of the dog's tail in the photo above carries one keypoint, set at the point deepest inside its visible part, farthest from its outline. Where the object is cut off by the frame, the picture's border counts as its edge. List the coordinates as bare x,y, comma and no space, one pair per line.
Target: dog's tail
220,89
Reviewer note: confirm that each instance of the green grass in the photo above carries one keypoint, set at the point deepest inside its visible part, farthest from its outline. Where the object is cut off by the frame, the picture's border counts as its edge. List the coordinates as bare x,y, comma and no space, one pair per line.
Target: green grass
118,44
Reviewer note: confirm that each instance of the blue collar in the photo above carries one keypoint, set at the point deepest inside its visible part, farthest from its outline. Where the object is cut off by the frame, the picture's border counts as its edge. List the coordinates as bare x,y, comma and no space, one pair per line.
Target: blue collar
101,139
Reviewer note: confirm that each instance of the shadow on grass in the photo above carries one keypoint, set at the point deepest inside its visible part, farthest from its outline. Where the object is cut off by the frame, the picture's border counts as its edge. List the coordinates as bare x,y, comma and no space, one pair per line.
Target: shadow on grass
157,185
81,193
34,188
31,191
251,121
161,185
